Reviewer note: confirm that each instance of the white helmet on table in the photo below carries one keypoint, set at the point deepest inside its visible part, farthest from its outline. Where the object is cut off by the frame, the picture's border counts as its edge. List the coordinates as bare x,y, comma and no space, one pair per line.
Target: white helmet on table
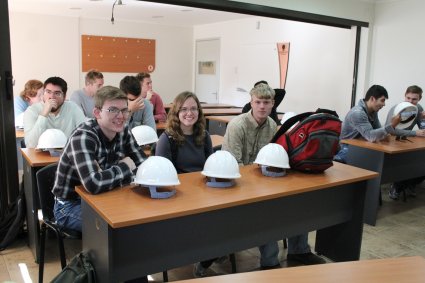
408,113
157,171
273,160
51,138
221,165
144,135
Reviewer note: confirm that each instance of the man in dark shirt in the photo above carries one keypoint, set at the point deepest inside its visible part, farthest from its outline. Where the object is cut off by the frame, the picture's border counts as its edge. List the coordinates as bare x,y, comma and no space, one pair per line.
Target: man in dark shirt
100,154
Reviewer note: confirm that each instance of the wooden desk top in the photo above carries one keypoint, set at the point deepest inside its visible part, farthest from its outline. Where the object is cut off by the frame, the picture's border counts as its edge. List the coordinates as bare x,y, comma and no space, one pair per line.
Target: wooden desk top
206,105
391,146
216,140
36,158
389,270
161,125
194,196
19,133
222,111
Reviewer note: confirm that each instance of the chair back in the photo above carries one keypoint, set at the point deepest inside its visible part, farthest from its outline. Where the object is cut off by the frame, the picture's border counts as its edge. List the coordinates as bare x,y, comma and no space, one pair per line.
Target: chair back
45,181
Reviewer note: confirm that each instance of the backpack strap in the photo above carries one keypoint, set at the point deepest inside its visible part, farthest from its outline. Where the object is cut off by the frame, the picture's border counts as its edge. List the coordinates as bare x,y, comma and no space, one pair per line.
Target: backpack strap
289,123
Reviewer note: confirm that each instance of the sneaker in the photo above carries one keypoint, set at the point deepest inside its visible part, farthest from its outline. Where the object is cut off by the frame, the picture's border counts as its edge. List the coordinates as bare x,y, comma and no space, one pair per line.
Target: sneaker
306,259
270,267
393,193
200,271
410,191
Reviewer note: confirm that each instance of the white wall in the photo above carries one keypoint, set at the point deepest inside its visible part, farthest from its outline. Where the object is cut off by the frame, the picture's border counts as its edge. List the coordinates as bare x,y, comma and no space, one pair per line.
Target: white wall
320,62
398,49
44,46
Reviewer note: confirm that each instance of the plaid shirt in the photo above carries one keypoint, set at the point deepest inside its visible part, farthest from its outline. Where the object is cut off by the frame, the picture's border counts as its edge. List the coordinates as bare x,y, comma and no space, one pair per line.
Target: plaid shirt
90,159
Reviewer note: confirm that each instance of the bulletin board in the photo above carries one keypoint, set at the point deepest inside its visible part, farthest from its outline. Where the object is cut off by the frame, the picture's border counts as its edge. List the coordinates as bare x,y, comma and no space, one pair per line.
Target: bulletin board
117,54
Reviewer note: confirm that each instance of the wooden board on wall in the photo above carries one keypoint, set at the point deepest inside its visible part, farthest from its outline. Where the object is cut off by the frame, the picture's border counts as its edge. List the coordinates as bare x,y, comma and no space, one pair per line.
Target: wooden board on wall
117,54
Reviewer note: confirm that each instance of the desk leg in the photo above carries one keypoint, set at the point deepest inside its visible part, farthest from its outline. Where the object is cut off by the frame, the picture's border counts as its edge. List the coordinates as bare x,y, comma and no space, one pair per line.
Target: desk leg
31,200
374,161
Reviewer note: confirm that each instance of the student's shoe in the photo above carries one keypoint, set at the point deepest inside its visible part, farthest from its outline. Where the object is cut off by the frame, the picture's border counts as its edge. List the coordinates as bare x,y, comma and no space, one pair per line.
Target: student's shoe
393,193
200,271
270,267
410,191
306,259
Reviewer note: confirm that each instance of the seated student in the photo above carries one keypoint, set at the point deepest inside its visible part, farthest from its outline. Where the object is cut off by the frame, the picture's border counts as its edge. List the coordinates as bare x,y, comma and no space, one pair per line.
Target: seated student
101,155
187,144
84,97
413,95
362,121
141,110
31,94
158,106
279,95
245,136
53,112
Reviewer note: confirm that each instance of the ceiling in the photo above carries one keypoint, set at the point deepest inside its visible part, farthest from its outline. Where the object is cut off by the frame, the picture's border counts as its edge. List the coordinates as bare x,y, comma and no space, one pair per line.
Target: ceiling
131,10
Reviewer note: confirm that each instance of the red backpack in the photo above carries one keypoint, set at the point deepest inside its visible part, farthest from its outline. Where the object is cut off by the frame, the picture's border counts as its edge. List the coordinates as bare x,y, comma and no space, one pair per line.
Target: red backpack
312,143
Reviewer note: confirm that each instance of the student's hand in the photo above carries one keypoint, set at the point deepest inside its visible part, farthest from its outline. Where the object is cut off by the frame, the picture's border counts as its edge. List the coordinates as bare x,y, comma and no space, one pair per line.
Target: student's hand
48,106
130,163
420,133
149,95
136,104
395,120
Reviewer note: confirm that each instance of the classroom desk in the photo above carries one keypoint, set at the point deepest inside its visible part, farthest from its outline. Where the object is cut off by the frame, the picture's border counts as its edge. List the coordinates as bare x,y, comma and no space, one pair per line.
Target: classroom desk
19,133
393,160
221,111
33,160
389,270
128,234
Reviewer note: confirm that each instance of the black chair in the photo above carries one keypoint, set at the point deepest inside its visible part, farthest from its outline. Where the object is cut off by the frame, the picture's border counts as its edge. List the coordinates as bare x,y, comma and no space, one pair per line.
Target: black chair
45,182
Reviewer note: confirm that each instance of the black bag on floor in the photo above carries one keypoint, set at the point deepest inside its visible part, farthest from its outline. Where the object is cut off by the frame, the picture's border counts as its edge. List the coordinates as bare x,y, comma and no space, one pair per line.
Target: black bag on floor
79,270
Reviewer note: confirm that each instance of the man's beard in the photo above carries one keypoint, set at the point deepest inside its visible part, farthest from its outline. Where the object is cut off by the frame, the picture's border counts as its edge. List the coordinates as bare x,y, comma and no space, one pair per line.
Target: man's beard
56,109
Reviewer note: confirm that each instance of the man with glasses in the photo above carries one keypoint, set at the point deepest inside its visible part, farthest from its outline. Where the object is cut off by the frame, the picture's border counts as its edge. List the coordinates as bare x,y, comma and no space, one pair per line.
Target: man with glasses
84,97
245,136
140,108
101,154
53,112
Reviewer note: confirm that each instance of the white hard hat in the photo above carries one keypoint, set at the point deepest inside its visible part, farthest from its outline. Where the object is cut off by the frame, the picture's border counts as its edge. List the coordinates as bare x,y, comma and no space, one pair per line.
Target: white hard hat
408,113
19,121
157,171
274,155
144,135
51,138
221,164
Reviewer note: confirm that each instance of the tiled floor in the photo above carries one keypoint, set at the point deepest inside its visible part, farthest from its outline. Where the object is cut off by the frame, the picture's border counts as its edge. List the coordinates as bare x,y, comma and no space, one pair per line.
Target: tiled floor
400,231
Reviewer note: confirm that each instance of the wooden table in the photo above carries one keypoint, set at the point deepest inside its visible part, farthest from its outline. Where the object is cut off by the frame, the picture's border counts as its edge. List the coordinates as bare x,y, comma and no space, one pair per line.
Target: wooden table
33,160
393,160
128,234
222,111
389,270
19,133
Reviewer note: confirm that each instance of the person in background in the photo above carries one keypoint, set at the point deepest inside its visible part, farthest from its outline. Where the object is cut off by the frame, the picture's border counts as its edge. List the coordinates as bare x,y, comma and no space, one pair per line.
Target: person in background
140,109
413,95
362,121
279,95
32,93
84,97
158,106
53,112
245,136
187,145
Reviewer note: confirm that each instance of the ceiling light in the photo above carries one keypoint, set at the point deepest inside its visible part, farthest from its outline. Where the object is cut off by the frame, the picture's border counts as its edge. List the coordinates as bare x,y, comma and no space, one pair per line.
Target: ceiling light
117,2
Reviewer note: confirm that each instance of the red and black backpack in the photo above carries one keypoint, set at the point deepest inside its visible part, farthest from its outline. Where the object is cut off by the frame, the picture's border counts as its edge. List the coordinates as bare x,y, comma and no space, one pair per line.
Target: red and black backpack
314,140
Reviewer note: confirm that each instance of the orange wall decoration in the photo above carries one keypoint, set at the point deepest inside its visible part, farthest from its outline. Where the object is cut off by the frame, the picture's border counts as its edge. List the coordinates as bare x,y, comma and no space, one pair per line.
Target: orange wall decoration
283,53
117,54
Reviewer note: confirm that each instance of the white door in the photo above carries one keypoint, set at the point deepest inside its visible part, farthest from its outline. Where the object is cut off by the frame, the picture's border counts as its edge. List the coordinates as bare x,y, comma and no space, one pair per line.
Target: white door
207,70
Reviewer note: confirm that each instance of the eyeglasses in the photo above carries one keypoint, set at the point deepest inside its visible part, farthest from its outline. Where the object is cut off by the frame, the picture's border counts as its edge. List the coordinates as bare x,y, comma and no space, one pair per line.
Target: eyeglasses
55,93
115,111
186,110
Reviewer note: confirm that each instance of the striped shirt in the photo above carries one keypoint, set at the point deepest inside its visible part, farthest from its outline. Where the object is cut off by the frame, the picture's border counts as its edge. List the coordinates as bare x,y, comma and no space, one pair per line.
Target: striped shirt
90,159
244,137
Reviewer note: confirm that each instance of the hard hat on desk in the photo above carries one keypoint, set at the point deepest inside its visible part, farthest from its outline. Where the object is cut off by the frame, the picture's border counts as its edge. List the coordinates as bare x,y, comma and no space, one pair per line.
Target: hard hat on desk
408,113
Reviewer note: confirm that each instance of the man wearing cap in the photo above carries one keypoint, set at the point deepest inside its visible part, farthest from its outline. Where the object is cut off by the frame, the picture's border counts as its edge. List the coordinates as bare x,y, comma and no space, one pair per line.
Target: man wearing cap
413,95
362,121
245,136
53,112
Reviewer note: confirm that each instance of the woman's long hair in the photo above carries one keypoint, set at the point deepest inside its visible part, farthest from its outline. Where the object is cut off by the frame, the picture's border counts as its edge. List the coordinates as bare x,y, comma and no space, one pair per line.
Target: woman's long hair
173,122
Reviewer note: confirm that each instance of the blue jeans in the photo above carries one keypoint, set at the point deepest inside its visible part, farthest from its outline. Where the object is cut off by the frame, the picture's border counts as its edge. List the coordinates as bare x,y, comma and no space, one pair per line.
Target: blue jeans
341,156
298,244
68,214
269,254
